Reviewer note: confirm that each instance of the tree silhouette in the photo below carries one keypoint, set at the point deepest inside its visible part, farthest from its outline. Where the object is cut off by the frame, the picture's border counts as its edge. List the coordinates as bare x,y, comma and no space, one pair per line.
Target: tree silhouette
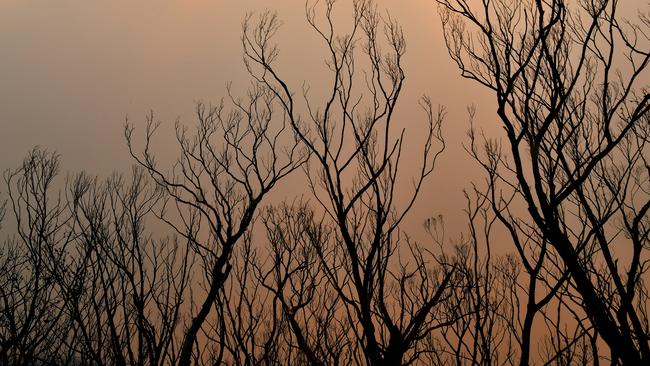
225,169
388,287
569,94
32,320
124,288
331,277
82,281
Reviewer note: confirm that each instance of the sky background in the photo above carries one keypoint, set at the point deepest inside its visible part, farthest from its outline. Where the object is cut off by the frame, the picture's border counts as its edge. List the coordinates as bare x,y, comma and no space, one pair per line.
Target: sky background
71,71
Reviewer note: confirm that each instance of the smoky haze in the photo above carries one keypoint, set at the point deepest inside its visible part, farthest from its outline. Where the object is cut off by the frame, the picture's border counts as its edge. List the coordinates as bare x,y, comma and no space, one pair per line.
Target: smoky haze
72,71
565,193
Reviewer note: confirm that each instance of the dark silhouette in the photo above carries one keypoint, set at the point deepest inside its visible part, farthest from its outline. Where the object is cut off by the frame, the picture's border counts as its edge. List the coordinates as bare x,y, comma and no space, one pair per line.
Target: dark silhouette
224,171
365,267
331,277
569,94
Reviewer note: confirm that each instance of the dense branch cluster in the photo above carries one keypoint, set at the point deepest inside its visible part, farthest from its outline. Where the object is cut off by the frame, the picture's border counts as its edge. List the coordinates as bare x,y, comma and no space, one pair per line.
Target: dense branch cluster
332,278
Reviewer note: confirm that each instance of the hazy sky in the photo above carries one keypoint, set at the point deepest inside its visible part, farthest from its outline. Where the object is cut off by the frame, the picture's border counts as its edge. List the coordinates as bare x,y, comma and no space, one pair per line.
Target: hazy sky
70,72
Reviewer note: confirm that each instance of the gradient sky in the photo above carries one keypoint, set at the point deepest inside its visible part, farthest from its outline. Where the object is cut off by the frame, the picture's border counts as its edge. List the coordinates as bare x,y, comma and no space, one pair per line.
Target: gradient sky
71,71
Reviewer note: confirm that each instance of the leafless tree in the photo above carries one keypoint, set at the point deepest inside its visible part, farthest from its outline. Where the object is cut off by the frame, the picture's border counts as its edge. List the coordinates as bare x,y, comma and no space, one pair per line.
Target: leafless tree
225,169
124,288
82,281
483,336
296,275
32,317
569,91
388,288
252,325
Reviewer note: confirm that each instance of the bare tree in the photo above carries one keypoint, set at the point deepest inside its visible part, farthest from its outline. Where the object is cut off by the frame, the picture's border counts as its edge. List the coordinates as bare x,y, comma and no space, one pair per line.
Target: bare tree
388,286
296,275
538,276
249,318
82,281
32,318
225,169
483,336
569,94
124,288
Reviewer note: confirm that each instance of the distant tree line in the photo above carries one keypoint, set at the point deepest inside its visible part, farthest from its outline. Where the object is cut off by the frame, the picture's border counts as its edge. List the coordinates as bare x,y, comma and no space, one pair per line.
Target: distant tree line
332,278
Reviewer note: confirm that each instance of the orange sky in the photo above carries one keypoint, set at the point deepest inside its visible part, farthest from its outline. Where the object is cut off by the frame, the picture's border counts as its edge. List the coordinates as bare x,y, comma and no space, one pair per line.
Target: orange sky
72,70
